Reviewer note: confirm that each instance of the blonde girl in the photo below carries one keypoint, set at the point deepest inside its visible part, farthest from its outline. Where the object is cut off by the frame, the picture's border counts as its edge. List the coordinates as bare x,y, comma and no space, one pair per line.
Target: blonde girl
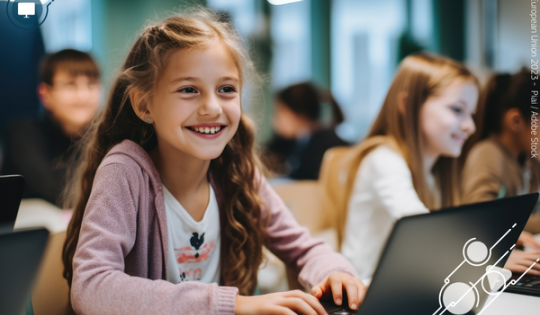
171,212
407,164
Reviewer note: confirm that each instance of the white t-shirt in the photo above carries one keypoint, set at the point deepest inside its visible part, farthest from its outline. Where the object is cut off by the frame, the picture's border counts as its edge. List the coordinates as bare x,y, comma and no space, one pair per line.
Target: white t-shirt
383,192
193,247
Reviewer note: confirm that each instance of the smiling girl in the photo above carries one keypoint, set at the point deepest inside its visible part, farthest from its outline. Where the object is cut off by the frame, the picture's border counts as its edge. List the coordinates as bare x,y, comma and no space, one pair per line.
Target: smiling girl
407,163
171,209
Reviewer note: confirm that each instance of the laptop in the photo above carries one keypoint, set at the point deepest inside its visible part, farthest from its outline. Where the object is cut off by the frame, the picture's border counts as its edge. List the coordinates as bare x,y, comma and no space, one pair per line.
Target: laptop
444,262
20,257
11,191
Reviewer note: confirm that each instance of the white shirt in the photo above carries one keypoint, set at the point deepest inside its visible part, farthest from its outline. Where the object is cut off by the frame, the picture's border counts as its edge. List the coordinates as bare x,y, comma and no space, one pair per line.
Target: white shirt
383,192
193,252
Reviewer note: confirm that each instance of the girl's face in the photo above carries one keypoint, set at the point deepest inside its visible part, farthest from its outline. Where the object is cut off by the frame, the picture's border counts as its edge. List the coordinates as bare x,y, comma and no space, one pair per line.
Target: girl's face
196,108
446,119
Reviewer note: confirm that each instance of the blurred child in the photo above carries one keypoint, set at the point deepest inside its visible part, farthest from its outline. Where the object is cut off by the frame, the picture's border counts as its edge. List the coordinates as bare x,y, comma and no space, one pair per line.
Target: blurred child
499,164
302,137
40,149
171,212
407,164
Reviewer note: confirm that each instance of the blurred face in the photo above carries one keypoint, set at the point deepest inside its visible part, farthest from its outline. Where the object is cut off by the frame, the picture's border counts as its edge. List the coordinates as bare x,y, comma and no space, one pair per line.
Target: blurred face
196,108
73,101
446,119
288,124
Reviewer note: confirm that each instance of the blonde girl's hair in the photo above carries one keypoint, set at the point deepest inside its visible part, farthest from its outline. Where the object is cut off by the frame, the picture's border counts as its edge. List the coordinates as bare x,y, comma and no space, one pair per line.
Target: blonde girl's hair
243,230
419,76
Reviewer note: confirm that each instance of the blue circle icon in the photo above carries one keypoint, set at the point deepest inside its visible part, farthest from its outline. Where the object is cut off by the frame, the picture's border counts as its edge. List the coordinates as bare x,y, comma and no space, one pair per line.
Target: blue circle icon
27,14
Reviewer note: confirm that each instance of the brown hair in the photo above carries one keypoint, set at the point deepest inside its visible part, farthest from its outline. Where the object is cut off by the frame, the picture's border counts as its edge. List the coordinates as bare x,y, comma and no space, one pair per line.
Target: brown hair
421,76
242,228
307,100
501,93
70,60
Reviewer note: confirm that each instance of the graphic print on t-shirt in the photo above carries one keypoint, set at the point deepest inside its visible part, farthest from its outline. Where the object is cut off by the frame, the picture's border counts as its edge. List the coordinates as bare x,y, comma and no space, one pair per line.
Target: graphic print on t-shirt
194,246
194,254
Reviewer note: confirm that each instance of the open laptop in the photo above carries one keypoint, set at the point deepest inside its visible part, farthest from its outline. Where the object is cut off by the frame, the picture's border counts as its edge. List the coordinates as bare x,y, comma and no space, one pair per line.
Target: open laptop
434,259
11,191
20,257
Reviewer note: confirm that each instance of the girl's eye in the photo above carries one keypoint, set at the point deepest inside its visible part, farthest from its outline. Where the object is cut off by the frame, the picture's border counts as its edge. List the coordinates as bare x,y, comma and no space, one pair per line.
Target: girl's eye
457,110
187,90
227,89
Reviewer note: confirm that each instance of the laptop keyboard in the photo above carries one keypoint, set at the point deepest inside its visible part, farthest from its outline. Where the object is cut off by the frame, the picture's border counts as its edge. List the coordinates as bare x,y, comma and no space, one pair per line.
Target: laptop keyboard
531,282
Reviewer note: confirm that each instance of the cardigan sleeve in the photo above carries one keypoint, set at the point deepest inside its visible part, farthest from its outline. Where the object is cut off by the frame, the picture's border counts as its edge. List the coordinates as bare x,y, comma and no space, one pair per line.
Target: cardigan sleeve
107,235
292,243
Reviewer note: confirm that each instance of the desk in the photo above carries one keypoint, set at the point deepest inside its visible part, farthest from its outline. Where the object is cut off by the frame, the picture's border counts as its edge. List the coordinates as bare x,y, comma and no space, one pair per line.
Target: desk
40,213
510,304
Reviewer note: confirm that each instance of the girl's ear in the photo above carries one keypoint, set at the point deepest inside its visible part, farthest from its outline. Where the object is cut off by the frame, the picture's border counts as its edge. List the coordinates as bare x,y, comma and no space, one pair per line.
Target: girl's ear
402,102
139,106
514,120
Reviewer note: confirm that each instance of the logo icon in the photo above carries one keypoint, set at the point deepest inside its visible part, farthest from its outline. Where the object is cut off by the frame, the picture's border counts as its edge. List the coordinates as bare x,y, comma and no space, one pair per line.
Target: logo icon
27,8
460,298
27,14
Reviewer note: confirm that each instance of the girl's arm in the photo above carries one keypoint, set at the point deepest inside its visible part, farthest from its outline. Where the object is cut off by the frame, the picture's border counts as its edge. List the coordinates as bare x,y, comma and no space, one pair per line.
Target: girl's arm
292,243
108,234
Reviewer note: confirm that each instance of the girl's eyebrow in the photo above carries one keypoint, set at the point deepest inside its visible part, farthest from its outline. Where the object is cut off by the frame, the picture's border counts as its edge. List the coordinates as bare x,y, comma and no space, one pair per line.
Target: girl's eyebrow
230,79
179,79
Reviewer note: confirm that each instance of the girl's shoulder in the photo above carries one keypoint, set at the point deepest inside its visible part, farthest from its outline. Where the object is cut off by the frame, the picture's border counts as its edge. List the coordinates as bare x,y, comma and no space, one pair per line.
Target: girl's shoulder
384,156
487,149
133,161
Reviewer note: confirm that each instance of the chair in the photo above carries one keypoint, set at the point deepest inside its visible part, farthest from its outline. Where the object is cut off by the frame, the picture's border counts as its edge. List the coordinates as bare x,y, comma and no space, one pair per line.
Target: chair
331,182
51,291
302,198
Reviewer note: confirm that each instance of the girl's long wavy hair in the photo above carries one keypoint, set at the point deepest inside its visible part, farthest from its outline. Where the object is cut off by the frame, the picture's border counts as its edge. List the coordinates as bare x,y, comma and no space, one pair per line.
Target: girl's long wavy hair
421,76
242,222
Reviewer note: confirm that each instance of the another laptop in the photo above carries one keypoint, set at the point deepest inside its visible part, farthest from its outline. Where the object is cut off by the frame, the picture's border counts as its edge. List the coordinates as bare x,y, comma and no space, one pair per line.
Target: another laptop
11,191
434,259
20,257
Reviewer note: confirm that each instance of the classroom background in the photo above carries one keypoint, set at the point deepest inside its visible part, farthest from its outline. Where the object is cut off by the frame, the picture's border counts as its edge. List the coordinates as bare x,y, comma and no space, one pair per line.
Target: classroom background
348,48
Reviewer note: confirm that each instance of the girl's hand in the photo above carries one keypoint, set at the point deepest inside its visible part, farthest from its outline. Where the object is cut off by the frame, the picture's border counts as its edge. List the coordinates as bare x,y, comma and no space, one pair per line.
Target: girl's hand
281,303
519,261
527,239
334,285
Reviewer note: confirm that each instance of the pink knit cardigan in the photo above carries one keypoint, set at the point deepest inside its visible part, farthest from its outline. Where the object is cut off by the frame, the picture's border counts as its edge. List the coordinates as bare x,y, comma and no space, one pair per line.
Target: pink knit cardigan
120,261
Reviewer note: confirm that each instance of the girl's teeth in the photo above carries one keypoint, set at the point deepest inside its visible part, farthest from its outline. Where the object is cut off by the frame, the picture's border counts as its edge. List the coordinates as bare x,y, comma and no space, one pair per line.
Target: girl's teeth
211,130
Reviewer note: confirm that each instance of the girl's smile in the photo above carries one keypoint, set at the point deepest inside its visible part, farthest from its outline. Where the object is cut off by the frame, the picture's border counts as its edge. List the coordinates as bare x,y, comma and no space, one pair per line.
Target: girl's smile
208,130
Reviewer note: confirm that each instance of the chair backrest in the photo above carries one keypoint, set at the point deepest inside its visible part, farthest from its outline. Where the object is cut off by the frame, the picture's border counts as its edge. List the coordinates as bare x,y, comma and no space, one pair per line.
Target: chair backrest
51,291
302,198
329,189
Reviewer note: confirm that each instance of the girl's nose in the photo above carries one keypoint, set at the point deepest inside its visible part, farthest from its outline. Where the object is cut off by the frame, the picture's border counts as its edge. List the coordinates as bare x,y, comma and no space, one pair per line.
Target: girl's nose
210,106
468,125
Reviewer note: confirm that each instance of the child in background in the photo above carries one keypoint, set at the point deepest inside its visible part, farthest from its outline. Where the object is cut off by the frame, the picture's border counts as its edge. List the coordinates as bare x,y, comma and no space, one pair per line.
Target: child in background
171,210
40,149
407,164
499,164
302,137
